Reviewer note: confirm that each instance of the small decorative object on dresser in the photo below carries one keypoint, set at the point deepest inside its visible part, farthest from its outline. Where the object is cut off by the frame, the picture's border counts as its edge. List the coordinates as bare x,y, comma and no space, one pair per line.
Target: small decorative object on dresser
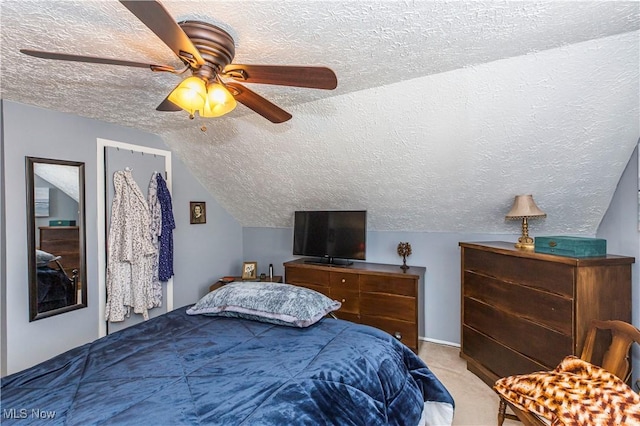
525,208
249,270
198,211
404,250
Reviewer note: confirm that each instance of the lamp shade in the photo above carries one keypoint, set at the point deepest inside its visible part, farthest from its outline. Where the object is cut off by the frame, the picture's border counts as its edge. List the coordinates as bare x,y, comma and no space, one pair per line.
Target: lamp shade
218,101
523,207
190,94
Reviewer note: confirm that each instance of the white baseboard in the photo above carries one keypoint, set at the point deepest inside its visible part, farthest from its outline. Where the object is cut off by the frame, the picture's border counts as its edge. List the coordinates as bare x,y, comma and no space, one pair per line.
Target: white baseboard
439,342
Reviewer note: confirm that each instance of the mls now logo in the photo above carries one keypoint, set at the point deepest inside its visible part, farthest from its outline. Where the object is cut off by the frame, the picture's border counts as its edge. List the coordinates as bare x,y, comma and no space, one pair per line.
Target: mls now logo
23,413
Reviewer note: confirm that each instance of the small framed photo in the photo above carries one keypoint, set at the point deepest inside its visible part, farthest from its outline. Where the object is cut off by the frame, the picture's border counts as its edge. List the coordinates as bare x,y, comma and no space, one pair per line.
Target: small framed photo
198,212
249,270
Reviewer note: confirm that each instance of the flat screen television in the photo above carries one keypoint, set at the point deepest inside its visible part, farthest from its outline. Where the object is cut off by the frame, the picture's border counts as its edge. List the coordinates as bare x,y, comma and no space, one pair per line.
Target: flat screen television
330,235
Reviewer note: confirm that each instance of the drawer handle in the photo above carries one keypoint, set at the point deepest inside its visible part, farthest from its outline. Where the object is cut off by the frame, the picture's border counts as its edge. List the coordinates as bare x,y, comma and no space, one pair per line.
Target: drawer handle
344,300
344,281
397,335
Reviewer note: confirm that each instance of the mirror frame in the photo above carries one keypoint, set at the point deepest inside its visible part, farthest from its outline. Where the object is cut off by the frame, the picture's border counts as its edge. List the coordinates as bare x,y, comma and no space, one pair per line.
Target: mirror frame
31,238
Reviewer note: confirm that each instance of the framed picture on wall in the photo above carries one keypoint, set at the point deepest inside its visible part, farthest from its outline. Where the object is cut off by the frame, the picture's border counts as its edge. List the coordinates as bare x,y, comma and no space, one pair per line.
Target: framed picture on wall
41,196
249,270
198,211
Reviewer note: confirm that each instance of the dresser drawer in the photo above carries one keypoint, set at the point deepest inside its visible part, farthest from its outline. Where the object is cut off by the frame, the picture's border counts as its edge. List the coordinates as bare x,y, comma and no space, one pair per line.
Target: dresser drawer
554,277
500,359
389,284
549,309
403,331
347,316
389,306
532,340
305,276
60,233
344,280
56,247
326,290
70,261
349,299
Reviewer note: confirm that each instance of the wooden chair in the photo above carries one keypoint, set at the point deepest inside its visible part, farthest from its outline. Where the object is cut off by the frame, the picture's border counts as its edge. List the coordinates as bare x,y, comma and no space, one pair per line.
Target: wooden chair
615,360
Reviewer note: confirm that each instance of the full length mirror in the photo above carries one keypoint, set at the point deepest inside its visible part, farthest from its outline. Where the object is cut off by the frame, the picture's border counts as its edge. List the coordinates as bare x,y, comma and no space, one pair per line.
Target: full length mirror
56,237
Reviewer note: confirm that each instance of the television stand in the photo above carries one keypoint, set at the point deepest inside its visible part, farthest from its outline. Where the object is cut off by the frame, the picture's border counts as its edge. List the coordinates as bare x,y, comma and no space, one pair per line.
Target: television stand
329,261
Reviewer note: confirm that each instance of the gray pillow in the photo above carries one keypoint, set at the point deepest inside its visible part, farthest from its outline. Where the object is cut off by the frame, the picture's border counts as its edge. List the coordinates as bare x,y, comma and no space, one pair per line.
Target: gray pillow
43,258
276,303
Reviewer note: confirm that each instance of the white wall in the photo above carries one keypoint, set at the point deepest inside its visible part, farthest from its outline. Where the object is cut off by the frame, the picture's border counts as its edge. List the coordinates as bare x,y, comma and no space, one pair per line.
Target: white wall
202,253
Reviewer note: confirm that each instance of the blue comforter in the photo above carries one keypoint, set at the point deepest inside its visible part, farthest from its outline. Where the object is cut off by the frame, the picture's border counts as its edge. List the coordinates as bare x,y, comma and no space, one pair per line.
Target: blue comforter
196,370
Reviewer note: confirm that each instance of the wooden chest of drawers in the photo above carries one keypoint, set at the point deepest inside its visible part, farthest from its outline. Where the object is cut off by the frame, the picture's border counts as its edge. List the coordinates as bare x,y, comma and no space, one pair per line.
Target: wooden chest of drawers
379,295
62,241
524,311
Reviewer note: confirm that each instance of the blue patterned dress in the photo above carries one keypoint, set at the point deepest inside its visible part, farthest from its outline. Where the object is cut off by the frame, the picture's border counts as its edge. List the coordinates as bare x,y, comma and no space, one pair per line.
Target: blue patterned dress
165,258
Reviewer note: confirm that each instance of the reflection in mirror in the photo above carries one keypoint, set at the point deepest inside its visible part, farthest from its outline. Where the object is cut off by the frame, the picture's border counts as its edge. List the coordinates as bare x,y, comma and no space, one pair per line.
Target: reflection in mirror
56,235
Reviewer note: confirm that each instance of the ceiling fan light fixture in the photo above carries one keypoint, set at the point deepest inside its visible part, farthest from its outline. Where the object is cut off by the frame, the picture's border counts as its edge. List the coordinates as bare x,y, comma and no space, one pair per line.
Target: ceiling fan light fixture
219,101
190,95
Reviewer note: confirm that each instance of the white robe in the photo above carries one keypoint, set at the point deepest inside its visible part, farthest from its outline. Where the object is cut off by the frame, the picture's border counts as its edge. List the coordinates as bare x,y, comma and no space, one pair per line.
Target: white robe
130,251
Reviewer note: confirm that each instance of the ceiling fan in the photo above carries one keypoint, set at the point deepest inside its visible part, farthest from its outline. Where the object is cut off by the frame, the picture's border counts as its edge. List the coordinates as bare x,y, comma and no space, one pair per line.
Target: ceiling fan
207,51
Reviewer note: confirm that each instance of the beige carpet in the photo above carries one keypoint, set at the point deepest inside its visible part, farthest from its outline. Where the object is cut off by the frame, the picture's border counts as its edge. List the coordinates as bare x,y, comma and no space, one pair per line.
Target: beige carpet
476,403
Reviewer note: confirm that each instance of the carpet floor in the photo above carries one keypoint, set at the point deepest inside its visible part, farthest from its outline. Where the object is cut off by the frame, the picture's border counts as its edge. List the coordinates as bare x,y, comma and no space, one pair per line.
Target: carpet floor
476,403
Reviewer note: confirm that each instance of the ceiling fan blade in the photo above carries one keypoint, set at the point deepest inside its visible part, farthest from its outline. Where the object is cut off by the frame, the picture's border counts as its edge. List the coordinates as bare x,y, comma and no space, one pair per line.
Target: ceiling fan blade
167,105
157,19
284,75
94,60
257,103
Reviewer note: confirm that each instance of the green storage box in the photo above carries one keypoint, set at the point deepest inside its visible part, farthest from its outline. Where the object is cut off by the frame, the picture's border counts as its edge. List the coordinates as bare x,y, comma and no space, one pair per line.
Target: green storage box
571,246
62,223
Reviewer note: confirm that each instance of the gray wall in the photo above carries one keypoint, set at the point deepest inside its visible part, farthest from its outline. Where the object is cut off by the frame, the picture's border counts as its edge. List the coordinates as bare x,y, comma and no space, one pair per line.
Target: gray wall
620,228
202,252
3,261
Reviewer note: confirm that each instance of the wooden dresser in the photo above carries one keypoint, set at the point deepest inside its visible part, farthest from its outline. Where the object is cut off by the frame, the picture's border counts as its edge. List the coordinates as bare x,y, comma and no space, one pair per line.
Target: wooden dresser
379,295
525,311
62,241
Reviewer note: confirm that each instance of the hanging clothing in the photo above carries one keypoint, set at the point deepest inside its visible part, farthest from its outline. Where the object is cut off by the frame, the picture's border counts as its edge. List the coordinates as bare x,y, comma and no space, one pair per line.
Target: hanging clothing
155,210
165,258
130,250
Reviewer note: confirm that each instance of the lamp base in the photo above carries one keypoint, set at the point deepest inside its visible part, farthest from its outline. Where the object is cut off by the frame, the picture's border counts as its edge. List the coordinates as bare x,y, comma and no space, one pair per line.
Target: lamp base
525,243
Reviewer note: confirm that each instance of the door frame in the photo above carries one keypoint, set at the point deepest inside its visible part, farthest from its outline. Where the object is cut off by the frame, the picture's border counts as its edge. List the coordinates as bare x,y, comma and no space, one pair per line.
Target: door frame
102,221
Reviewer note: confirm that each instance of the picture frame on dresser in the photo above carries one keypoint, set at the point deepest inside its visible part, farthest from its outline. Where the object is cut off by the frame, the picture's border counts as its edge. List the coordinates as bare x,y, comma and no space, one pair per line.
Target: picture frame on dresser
249,270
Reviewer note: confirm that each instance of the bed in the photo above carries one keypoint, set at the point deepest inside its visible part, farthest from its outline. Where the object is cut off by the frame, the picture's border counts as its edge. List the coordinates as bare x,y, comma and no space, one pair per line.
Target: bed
231,369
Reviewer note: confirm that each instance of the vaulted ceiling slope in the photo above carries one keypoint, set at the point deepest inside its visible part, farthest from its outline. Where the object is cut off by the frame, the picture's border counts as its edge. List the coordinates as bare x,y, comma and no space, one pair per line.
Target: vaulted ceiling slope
444,109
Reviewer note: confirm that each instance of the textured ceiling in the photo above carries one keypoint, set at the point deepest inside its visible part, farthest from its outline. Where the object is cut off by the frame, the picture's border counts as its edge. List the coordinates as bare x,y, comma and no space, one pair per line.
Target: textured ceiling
443,112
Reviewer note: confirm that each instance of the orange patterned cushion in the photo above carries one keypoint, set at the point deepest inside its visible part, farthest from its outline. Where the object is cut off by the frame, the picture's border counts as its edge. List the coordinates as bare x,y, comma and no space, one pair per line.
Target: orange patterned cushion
575,393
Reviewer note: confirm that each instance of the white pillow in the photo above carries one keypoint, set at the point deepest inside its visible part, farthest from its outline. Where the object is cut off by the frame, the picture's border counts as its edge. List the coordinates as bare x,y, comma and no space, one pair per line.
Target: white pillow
43,258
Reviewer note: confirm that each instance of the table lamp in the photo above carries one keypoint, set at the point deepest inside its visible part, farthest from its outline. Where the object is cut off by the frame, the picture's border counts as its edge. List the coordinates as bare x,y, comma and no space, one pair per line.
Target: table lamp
525,208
